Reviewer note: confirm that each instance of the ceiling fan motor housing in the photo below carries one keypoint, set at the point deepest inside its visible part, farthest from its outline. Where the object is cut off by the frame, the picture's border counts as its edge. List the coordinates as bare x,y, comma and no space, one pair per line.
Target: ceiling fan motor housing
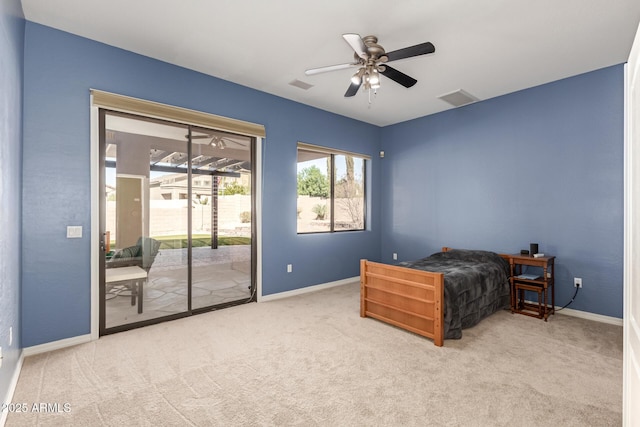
375,51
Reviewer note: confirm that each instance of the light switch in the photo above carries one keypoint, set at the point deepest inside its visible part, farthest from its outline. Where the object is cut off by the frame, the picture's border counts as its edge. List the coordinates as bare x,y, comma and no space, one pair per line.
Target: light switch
74,231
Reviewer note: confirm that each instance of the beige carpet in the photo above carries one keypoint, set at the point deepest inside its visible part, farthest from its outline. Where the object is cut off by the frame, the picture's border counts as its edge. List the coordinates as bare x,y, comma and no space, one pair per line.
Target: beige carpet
311,360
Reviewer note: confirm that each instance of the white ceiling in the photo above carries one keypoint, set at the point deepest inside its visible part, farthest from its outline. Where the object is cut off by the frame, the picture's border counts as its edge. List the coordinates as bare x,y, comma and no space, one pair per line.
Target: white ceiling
487,48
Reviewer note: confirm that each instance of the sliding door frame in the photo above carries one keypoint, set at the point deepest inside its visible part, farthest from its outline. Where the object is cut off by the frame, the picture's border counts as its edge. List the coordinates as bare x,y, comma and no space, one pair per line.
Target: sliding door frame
97,193
103,330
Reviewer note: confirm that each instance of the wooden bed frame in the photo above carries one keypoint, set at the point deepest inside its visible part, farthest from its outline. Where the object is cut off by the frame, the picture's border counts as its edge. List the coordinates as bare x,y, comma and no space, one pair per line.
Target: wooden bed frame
404,297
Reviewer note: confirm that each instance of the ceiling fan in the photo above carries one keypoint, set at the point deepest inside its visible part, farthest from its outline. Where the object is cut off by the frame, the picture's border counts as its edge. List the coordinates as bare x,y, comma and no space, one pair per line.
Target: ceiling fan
371,59
217,141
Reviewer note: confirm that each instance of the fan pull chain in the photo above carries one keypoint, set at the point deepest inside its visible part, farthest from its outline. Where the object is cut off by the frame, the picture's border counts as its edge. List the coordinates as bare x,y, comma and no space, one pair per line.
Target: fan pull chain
375,92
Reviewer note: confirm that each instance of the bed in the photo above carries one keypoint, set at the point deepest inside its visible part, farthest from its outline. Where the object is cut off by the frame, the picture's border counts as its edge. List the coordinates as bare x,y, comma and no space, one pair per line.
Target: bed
437,296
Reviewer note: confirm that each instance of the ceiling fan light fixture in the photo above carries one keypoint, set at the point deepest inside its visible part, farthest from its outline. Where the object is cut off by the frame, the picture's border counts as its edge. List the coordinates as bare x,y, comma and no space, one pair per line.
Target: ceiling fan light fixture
356,79
371,78
217,142
375,79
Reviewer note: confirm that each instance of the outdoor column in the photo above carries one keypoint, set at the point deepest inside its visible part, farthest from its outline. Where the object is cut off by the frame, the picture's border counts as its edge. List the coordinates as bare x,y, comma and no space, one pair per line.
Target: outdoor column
214,212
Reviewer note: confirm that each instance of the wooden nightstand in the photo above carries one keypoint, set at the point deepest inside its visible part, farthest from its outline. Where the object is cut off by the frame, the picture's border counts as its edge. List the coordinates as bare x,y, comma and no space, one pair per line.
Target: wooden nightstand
539,280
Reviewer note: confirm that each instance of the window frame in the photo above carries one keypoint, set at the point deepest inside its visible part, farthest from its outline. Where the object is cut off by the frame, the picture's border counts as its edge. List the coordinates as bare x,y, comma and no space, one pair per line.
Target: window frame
331,153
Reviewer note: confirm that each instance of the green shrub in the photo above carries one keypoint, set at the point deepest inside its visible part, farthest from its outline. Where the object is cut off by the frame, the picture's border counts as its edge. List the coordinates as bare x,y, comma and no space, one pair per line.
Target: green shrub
320,211
234,188
245,216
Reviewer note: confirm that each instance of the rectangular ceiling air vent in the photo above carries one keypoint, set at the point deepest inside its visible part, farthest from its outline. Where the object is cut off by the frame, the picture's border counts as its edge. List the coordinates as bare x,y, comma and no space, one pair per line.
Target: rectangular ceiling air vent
458,98
300,84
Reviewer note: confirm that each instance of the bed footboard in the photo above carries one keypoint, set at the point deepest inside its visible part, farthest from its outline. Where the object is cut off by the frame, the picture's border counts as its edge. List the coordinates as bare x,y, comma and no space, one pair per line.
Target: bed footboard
404,297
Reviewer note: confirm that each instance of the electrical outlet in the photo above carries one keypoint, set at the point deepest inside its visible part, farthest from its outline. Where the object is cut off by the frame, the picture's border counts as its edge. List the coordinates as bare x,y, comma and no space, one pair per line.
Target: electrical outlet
577,282
10,335
0,357
395,256
289,268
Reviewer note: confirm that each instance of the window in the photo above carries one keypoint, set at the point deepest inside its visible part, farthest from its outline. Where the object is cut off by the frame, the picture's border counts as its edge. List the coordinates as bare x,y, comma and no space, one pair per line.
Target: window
331,190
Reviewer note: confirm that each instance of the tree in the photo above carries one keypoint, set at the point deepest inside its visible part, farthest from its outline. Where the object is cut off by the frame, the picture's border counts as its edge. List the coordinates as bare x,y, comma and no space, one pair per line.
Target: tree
350,174
350,195
234,188
202,201
311,182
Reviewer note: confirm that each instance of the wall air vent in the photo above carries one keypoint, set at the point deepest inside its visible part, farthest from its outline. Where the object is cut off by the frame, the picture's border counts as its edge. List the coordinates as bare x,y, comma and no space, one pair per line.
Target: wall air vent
458,98
300,84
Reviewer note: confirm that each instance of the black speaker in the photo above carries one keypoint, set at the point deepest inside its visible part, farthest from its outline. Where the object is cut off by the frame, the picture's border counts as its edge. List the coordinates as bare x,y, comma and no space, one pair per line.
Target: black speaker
534,248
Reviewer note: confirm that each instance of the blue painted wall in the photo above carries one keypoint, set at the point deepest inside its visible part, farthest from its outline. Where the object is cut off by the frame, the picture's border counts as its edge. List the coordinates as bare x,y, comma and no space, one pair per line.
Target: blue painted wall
542,165
60,68
11,69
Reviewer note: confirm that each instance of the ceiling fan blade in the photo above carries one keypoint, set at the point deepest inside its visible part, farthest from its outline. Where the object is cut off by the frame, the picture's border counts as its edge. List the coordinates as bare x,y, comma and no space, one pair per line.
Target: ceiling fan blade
357,44
353,89
231,141
398,76
408,52
313,71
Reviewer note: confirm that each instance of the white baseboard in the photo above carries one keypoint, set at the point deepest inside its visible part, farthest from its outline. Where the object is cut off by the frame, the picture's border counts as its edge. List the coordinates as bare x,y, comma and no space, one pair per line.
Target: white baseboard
585,315
12,388
308,289
590,316
56,345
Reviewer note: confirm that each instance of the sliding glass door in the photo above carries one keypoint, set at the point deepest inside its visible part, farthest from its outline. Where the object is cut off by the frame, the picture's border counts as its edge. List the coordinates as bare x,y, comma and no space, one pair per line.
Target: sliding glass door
176,220
222,218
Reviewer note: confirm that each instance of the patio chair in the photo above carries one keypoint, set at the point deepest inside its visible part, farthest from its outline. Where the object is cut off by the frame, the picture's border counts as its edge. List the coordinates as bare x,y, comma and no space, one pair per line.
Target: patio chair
142,255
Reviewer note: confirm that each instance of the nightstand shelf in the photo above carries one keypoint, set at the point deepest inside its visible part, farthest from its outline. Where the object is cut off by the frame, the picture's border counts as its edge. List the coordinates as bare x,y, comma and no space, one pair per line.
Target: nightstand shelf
540,282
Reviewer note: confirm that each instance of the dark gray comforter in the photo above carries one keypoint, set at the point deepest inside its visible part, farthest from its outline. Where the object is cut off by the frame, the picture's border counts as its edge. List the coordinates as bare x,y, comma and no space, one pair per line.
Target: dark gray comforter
476,284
